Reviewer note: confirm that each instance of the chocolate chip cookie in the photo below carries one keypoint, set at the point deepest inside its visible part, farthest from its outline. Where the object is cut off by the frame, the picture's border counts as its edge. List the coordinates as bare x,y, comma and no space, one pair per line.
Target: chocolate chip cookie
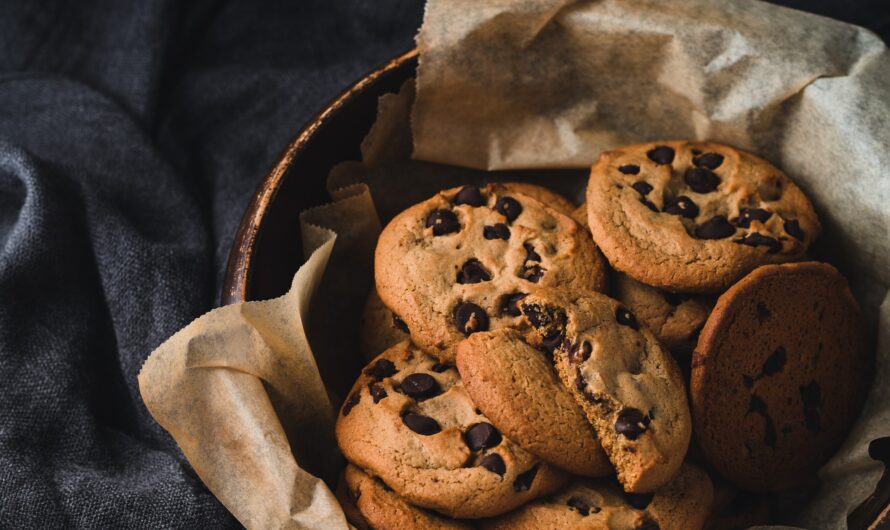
457,263
674,319
628,386
379,507
779,375
695,216
409,421
595,504
516,387
380,328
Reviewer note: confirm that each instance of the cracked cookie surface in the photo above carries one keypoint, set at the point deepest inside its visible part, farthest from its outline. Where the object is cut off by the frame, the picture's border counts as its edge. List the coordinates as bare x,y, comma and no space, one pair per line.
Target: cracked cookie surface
695,216
629,387
457,263
516,386
598,504
409,421
778,375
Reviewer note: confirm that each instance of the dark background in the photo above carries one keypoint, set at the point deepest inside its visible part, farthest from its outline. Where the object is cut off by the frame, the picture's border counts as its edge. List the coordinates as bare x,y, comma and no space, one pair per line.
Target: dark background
131,139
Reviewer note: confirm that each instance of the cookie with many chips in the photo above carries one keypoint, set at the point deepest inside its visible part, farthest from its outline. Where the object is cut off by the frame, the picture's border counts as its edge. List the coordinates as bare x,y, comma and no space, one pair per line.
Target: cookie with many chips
695,216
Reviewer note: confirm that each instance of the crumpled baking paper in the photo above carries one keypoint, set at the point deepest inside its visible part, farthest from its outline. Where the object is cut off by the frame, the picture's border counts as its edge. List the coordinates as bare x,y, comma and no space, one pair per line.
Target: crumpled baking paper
539,88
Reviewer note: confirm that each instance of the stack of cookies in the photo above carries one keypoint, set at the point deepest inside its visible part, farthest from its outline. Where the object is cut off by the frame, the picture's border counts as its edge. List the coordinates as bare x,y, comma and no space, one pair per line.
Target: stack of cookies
537,365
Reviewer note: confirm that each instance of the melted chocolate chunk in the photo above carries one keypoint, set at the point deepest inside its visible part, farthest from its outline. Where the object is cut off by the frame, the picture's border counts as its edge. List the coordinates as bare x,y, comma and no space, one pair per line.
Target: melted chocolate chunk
470,318
762,311
439,368
494,463
682,206
472,272
701,180
643,188
759,240
746,215
626,318
482,436
708,160
629,169
351,402
523,482
649,204
582,506
377,392
421,424
469,195
380,369
775,362
553,341
811,395
581,352
661,154
639,500
530,254
510,304
508,207
533,273
420,386
792,227
496,231
716,227
399,323
443,222
631,423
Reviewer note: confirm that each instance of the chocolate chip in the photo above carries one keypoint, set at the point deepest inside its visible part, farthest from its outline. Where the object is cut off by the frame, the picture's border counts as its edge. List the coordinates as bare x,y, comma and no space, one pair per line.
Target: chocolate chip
508,207
581,352
470,318
701,180
631,423
643,188
380,369
439,368
746,215
421,424
351,402
494,463
482,436
399,323
661,155
510,304
792,227
759,240
775,362
530,254
716,227
708,160
472,272
639,500
443,222
532,274
626,318
756,405
629,169
420,386
762,311
582,506
377,392
469,195
523,482
682,205
496,231
649,204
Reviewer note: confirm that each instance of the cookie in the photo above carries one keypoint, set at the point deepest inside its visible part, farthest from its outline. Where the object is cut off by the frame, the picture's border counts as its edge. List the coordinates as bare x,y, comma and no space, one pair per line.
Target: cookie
380,328
600,504
629,387
457,263
734,509
695,216
409,421
674,319
516,387
778,375
381,509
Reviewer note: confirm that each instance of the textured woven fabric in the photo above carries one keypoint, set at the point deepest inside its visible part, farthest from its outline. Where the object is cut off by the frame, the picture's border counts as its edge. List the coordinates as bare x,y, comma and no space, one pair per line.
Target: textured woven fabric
132,135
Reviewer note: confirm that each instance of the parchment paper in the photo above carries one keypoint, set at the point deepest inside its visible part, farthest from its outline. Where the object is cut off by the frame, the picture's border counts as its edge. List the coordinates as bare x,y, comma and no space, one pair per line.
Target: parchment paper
537,84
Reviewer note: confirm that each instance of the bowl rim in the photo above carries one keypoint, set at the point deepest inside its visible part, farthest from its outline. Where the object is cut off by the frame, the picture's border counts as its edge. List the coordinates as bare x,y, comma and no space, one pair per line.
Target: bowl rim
237,275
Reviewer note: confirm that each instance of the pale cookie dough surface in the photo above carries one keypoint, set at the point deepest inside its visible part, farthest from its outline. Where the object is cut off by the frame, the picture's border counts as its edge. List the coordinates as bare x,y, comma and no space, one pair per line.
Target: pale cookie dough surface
629,387
600,504
409,421
456,263
695,216
516,386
